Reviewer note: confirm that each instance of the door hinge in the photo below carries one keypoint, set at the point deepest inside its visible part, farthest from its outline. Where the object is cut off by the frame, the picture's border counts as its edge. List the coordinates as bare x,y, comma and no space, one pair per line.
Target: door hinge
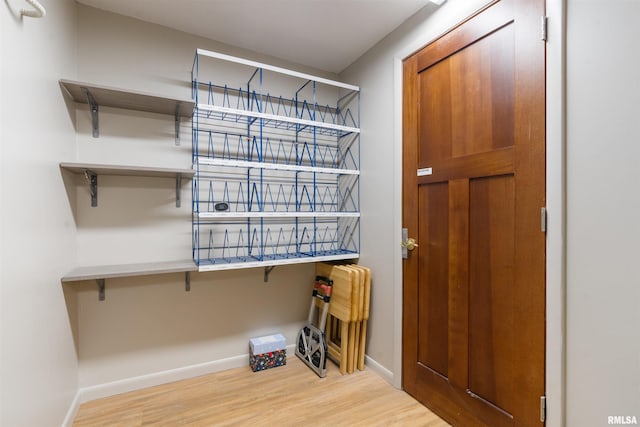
543,408
544,29
543,220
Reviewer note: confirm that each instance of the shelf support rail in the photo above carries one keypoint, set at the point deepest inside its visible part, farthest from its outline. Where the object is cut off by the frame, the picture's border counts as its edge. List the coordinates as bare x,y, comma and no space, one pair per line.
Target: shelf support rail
92,179
178,188
178,105
267,271
100,283
94,112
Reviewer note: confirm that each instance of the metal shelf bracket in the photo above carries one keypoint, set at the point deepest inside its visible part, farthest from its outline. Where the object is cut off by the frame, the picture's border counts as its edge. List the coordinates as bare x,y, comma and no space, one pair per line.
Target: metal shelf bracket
267,271
100,283
94,112
92,178
178,188
177,123
187,281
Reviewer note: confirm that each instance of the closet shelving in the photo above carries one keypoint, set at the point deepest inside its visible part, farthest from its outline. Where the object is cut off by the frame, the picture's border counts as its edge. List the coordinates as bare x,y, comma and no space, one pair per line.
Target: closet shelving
97,96
100,273
92,170
107,96
277,157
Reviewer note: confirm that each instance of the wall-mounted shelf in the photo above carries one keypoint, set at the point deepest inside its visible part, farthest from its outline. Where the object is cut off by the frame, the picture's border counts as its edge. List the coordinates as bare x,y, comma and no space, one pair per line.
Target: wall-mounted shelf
232,263
127,270
276,166
278,214
277,160
97,95
92,170
282,121
125,170
100,273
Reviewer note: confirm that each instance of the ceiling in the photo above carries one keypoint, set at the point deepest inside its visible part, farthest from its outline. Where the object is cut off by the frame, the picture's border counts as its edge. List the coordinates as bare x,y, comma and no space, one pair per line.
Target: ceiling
324,34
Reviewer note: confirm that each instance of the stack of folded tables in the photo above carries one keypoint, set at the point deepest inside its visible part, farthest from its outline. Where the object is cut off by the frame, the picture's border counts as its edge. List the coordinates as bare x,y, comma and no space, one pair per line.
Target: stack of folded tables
346,328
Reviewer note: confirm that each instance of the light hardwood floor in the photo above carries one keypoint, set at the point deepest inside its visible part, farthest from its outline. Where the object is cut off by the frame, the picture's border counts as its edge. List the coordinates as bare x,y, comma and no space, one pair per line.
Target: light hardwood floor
290,395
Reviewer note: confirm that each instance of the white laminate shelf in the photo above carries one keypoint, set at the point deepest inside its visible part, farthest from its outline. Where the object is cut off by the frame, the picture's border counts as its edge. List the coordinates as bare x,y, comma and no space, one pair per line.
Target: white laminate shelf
108,96
98,95
102,272
279,70
226,215
127,270
221,264
275,166
234,114
126,170
92,170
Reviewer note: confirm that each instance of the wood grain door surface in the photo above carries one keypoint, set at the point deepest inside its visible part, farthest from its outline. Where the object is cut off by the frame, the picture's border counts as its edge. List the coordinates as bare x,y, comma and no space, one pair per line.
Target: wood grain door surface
473,189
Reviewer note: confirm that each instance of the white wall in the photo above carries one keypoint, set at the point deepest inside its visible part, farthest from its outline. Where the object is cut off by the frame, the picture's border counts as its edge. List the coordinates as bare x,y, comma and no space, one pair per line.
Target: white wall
603,207
37,243
599,349
149,329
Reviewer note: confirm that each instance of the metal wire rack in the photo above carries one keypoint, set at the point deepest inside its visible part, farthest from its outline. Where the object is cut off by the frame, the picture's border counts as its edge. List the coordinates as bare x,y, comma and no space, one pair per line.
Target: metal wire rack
276,176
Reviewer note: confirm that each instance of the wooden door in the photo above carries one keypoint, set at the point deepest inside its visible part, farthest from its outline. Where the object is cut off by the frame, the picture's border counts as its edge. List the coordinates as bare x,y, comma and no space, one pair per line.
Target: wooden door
473,189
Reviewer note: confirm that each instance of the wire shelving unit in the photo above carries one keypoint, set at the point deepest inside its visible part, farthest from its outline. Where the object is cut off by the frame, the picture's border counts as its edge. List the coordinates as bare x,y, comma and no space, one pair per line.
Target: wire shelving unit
276,156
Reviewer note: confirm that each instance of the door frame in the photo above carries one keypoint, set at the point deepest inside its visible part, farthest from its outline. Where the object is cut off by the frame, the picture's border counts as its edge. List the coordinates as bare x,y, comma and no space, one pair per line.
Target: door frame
555,340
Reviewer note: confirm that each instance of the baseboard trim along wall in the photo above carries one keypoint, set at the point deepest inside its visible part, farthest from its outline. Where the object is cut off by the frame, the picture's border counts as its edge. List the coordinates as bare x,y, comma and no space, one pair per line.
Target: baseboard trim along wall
157,378
87,394
386,374
72,412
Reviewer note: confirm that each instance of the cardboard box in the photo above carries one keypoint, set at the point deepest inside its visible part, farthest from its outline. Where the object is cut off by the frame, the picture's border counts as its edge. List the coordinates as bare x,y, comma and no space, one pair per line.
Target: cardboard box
267,352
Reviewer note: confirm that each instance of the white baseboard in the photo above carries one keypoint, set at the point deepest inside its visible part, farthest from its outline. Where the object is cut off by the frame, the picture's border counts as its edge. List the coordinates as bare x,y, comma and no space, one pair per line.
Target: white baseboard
157,378
99,391
386,374
86,394
73,411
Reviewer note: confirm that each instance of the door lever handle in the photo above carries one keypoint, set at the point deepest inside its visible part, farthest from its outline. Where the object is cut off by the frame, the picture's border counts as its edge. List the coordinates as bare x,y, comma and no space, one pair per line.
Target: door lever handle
410,244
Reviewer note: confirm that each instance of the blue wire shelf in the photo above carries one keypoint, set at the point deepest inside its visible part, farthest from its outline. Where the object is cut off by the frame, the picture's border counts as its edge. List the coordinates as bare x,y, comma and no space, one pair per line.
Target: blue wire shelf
276,177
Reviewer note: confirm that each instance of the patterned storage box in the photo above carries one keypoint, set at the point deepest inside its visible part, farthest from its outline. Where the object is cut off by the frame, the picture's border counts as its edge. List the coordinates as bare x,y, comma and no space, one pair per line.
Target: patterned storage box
267,352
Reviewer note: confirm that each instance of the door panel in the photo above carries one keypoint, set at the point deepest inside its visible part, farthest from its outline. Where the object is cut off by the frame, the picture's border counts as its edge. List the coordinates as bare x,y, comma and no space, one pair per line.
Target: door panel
491,277
466,100
473,298
432,313
435,113
481,91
